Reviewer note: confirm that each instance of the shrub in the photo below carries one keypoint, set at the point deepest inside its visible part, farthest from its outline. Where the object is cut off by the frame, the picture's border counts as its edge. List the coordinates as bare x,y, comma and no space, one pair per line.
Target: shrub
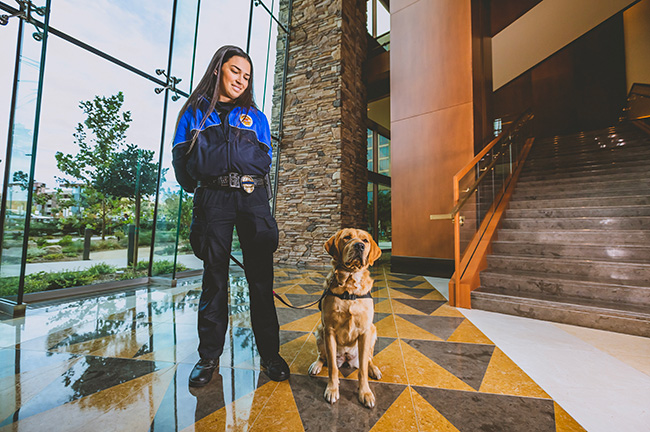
43,227
160,267
65,240
144,239
131,274
54,257
185,247
102,269
8,286
35,253
76,247
68,279
43,281
167,250
41,241
109,244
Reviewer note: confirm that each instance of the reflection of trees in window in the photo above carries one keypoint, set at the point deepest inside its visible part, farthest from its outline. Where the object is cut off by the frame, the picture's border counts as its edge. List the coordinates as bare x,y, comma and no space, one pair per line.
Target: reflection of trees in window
170,220
383,214
81,379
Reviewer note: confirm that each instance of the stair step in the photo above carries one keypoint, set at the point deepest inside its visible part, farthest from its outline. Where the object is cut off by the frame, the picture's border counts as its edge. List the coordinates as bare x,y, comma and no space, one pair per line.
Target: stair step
601,185
601,271
577,161
585,180
624,253
595,237
554,287
570,212
579,223
600,315
639,170
604,201
576,192
631,142
592,152
628,158
630,136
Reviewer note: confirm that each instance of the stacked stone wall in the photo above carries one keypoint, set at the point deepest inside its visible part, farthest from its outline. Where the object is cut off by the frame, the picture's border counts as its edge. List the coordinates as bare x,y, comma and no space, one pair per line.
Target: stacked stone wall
322,177
354,173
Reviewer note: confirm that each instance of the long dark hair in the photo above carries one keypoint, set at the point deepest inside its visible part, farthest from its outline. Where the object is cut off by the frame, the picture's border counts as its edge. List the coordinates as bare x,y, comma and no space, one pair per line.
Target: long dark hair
209,88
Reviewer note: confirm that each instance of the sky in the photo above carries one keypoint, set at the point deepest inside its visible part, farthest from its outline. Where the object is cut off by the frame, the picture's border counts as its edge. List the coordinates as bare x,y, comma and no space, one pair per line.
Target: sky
136,33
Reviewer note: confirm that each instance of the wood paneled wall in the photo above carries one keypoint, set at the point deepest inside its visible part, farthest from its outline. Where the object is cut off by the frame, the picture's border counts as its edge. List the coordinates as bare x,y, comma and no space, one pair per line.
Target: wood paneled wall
431,120
581,87
482,73
505,12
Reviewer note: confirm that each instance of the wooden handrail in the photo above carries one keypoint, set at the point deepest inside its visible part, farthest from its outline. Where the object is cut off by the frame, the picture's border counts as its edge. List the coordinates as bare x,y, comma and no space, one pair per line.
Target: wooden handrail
458,296
458,203
488,147
463,282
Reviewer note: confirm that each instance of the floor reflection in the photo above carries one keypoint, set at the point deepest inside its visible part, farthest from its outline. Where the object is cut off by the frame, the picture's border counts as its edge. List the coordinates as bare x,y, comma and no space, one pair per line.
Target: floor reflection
121,362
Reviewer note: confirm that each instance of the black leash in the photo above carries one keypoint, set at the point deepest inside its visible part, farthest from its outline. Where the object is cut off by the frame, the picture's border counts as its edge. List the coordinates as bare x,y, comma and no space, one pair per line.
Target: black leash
277,296
345,296
237,262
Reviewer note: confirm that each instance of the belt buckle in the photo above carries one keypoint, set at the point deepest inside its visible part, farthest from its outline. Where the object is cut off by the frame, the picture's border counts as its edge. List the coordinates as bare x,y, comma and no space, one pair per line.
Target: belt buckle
233,180
247,183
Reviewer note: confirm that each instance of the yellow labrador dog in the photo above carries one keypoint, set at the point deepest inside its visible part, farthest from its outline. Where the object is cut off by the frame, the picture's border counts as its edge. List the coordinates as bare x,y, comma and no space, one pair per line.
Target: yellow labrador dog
346,332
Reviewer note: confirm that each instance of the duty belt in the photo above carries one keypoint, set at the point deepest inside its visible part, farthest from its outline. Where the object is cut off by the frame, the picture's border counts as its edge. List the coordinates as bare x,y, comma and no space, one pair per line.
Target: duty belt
233,180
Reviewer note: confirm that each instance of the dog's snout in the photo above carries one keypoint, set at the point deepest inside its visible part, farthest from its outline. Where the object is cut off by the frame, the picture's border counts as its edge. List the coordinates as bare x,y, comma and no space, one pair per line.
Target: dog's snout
359,246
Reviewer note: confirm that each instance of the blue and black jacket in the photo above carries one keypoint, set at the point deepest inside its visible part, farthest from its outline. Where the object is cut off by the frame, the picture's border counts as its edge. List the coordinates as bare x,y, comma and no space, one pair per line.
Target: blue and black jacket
241,145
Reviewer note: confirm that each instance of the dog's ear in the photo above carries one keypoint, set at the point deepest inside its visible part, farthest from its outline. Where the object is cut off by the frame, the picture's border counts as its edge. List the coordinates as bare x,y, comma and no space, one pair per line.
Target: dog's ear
375,252
331,246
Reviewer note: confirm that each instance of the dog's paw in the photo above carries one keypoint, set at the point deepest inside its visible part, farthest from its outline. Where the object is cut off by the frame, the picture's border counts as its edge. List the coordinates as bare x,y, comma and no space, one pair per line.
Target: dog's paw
332,394
374,372
315,367
367,398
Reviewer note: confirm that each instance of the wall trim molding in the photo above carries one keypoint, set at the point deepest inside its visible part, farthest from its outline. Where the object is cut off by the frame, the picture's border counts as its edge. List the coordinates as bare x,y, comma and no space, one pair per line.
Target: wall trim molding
438,267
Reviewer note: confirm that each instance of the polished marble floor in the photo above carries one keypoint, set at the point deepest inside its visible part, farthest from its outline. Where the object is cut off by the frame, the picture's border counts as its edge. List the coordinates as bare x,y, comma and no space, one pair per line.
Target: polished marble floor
120,362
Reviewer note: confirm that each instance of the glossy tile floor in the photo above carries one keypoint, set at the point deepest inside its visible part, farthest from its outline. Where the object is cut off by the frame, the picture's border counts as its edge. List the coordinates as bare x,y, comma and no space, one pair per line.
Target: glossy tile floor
121,362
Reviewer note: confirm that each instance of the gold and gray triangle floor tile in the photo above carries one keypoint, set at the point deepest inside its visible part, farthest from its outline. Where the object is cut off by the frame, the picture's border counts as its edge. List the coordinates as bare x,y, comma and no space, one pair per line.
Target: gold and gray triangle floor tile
122,362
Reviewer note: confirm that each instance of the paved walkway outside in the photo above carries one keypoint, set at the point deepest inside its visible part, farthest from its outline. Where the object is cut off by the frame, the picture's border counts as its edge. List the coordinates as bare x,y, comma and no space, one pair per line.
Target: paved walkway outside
115,258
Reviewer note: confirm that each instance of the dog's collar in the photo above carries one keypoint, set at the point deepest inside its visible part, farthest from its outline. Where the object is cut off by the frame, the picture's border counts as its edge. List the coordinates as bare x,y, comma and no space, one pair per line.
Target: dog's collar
347,296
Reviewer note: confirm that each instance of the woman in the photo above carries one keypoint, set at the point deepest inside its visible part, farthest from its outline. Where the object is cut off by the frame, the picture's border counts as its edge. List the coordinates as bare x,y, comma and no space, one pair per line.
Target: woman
222,153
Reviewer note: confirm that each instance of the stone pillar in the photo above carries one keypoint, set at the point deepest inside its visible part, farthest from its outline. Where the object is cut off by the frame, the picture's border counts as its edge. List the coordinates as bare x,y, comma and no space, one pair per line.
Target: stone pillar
322,178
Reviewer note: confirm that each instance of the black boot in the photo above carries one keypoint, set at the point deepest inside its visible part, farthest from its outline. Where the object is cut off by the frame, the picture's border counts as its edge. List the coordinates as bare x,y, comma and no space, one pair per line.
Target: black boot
202,372
276,368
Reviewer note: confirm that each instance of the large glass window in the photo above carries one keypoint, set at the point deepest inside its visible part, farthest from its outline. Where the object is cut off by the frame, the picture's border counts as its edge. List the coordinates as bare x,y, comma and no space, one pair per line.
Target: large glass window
16,197
104,201
379,193
172,252
8,42
135,32
378,25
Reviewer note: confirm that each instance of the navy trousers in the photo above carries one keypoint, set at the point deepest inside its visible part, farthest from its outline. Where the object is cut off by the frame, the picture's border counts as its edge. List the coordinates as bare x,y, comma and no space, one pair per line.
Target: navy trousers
216,212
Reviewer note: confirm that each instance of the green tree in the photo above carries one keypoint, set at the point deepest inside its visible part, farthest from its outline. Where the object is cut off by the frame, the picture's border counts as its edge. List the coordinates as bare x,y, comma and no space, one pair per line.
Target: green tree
120,177
170,212
21,178
105,163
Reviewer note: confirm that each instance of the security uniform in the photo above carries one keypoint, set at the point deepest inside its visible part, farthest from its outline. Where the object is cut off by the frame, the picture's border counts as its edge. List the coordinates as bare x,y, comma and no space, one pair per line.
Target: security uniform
231,143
